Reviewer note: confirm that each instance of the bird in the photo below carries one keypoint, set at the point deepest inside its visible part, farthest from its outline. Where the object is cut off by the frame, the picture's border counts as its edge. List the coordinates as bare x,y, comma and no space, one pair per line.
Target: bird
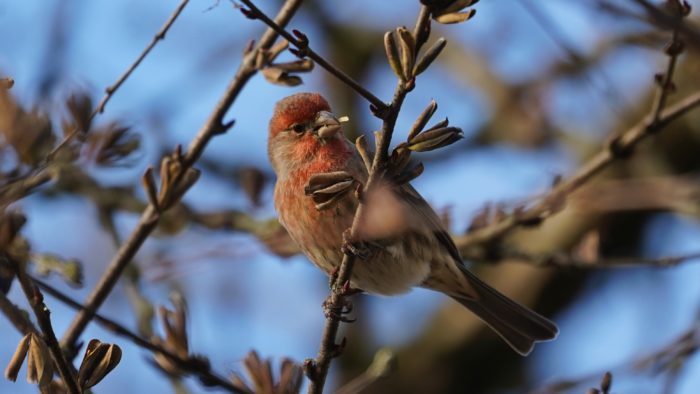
409,246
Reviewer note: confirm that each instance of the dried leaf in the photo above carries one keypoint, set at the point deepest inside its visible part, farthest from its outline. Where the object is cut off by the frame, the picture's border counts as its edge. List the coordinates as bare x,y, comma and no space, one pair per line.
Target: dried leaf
29,133
39,362
323,180
99,360
10,225
400,156
409,174
277,49
423,119
17,359
71,270
443,123
278,76
262,378
326,189
303,65
407,43
176,341
434,139
80,110
112,144
392,54
430,55
252,181
364,150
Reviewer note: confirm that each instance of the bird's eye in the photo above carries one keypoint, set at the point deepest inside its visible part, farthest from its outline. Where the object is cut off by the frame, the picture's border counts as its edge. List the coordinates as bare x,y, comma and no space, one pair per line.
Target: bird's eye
298,128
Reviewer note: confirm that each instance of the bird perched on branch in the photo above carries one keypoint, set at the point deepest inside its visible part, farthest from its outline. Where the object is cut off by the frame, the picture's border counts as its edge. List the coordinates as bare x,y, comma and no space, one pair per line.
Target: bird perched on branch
407,242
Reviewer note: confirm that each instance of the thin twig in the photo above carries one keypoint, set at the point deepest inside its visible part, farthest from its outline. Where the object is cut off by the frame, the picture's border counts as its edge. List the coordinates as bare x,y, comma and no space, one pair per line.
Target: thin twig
305,50
668,21
666,86
618,149
317,370
16,316
41,174
43,317
149,218
191,365
109,91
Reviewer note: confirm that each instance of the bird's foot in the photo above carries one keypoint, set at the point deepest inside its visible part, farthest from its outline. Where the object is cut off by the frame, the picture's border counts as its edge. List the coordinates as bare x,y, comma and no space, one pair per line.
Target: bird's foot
355,248
337,310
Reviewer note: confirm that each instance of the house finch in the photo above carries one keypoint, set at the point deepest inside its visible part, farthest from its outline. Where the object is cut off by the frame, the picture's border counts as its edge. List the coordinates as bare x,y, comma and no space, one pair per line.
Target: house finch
408,244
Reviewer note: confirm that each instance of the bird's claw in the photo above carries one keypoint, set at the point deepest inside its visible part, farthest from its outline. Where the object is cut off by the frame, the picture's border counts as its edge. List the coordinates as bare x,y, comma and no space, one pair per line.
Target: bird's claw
355,248
332,311
333,277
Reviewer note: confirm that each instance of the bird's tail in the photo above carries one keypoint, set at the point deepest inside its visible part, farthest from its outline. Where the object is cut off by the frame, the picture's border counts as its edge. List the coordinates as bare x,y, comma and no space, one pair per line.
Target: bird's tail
519,326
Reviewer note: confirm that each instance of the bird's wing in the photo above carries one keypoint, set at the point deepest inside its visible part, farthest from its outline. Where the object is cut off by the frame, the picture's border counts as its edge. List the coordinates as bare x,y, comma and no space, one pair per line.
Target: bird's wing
418,206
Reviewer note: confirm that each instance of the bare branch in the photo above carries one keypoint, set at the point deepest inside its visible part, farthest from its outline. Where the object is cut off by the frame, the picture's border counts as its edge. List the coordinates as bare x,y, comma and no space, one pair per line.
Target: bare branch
317,369
149,218
617,149
16,316
302,44
191,365
110,90
42,174
43,317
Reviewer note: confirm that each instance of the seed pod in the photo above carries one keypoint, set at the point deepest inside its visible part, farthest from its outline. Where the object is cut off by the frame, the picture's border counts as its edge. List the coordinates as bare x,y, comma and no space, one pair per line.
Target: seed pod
278,76
434,139
364,150
17,359
422,119
409,174
455,17
304,65
189,178
430,55
443,123
320,181
39,362
392,54
278,48
326,189
408,51
148,181
399,158
99,360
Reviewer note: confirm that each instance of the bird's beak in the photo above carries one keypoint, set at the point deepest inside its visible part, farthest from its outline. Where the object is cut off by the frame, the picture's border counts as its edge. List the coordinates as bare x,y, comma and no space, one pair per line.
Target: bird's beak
326,126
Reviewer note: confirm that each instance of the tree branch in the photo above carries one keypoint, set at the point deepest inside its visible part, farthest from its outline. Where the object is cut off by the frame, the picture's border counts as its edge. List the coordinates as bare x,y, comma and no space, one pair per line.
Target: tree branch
191,365
110,90
41,174
317,369
16,316
619,148
149,218
302,44
43,317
